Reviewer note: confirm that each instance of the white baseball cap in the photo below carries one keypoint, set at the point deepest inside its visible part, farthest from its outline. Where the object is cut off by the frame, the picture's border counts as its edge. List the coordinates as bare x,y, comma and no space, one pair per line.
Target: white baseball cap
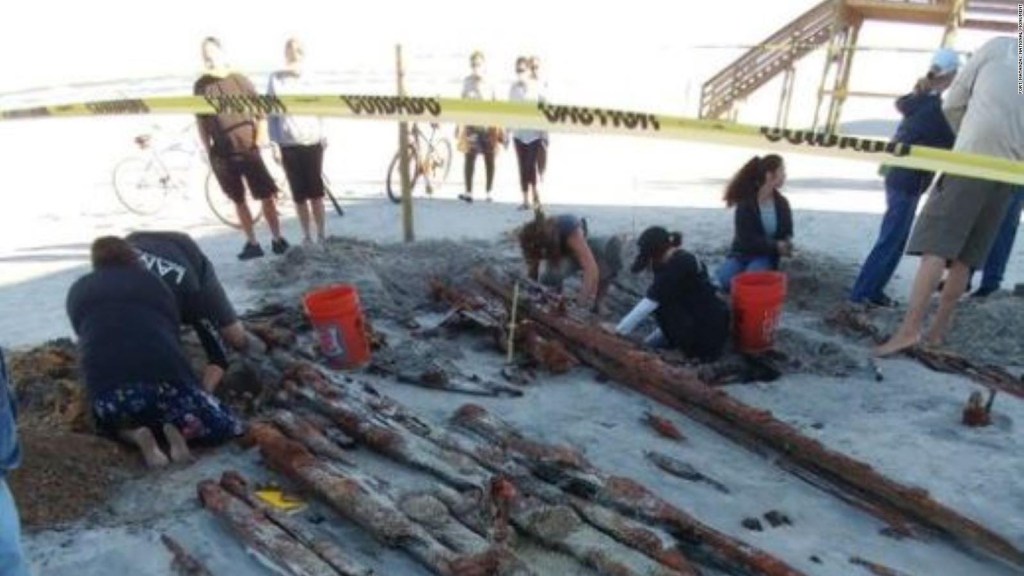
945,61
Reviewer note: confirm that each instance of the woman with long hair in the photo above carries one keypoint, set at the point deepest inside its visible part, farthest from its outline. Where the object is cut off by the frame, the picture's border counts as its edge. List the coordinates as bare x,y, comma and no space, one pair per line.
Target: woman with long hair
562,243
690,316
763,219
527,140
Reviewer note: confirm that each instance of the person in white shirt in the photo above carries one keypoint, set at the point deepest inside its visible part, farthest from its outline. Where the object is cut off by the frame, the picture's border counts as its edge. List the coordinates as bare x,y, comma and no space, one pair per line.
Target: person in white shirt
477,140
527,140
299,144
961,218
545,141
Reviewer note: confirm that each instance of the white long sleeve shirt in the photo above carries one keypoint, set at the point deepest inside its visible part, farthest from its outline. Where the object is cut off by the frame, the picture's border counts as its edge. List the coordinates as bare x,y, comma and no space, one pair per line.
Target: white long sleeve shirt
983,105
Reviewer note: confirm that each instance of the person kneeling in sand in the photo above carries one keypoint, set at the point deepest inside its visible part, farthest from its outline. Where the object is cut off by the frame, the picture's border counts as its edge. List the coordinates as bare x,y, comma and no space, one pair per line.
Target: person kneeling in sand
763,219
562,243
690,316
200,298
136,374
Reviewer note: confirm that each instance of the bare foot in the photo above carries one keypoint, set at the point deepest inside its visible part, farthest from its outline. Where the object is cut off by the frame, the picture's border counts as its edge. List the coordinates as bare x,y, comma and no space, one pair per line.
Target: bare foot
898,343
146,443
179,448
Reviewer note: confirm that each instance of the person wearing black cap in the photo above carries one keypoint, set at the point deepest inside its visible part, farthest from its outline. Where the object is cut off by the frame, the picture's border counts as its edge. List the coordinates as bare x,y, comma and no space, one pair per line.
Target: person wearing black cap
689,314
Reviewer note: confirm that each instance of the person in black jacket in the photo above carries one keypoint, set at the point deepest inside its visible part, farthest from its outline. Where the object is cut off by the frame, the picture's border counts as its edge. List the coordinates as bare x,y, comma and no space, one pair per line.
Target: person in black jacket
764,221
923,123
185,269
136,373
690,315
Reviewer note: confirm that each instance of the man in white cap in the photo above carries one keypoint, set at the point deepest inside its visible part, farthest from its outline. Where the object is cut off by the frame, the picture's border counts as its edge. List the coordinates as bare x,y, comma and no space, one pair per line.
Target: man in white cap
961,218
923,124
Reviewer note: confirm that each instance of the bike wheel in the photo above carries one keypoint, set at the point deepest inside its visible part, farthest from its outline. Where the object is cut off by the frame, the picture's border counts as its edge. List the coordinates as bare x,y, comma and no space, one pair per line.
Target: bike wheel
140,184
222,206
394,182
440,163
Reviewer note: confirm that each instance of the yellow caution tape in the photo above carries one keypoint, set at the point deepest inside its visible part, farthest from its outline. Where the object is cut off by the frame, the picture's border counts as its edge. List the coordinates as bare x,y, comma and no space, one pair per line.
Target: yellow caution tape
554,118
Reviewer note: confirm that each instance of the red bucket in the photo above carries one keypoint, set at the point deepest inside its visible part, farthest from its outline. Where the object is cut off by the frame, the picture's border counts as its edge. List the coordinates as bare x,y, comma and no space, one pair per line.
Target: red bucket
341,329
757,299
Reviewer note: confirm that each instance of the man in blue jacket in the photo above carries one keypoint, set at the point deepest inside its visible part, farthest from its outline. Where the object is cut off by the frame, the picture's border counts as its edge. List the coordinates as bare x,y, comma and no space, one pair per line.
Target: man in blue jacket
924,124
11,561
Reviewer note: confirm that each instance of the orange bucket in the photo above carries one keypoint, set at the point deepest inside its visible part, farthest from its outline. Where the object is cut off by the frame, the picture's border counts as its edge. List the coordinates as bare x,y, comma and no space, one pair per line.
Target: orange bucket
338,320
757,299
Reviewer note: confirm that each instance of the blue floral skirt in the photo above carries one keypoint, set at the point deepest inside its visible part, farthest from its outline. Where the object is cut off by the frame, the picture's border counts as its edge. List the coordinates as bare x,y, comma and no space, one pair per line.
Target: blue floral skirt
198,415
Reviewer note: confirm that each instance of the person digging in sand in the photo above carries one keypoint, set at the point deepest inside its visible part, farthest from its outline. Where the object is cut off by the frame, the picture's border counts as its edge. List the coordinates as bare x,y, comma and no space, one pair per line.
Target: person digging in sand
961,218
177,260
564,246
138,380
690,316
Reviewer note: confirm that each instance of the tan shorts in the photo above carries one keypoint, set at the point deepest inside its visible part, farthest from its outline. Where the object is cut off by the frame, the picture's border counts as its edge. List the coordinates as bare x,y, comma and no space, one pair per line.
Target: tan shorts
961,219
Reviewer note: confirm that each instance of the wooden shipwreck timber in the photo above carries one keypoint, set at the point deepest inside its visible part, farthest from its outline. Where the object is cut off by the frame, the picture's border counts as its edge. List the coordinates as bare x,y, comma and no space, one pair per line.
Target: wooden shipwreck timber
492,487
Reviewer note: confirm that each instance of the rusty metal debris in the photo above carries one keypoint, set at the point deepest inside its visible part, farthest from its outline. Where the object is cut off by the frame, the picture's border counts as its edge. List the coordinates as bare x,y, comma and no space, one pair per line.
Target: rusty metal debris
183,563
684,470
977,414
876,568
937,360
262,534
663,426
682,389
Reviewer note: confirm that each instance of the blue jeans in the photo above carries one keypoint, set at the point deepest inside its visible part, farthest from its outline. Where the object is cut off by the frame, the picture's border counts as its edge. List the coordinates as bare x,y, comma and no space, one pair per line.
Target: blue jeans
735,265
995,264
892,240
12,562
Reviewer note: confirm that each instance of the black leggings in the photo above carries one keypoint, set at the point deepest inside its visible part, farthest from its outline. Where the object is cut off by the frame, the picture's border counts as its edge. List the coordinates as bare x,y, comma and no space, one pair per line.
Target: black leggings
542,157
526,154
470,165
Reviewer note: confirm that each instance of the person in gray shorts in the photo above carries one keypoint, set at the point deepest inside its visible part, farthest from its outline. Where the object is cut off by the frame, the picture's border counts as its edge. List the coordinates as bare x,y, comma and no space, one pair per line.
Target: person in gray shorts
961,218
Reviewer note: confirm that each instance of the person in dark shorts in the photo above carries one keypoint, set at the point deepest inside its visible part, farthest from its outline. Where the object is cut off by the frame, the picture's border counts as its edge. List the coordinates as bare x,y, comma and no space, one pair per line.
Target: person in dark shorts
139,382
961,219
690,316
200,298
232,142
565,247
300,142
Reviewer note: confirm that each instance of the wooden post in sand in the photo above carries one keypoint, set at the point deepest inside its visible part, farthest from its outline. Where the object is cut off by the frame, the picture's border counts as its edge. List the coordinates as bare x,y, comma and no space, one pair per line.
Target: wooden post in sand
403,155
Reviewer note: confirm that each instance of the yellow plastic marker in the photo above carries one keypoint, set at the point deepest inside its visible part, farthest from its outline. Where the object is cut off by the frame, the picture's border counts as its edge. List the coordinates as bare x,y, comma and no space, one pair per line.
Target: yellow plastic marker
277,499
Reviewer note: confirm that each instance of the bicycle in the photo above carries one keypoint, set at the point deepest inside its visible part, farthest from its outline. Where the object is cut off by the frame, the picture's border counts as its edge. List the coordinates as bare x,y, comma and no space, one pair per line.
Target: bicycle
143,181
430,156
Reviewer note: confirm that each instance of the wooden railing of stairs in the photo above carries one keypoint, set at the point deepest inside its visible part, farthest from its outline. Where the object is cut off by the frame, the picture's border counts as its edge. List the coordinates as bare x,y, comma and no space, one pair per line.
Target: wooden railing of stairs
837,23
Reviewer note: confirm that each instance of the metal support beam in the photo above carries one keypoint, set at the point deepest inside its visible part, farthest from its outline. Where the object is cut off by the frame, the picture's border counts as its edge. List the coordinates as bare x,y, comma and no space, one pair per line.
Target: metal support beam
842,77
786,99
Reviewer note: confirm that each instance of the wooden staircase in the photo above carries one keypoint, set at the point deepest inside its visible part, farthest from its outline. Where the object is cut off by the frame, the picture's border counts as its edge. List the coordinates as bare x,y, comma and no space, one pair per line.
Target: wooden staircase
991,15
761,64
837,22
